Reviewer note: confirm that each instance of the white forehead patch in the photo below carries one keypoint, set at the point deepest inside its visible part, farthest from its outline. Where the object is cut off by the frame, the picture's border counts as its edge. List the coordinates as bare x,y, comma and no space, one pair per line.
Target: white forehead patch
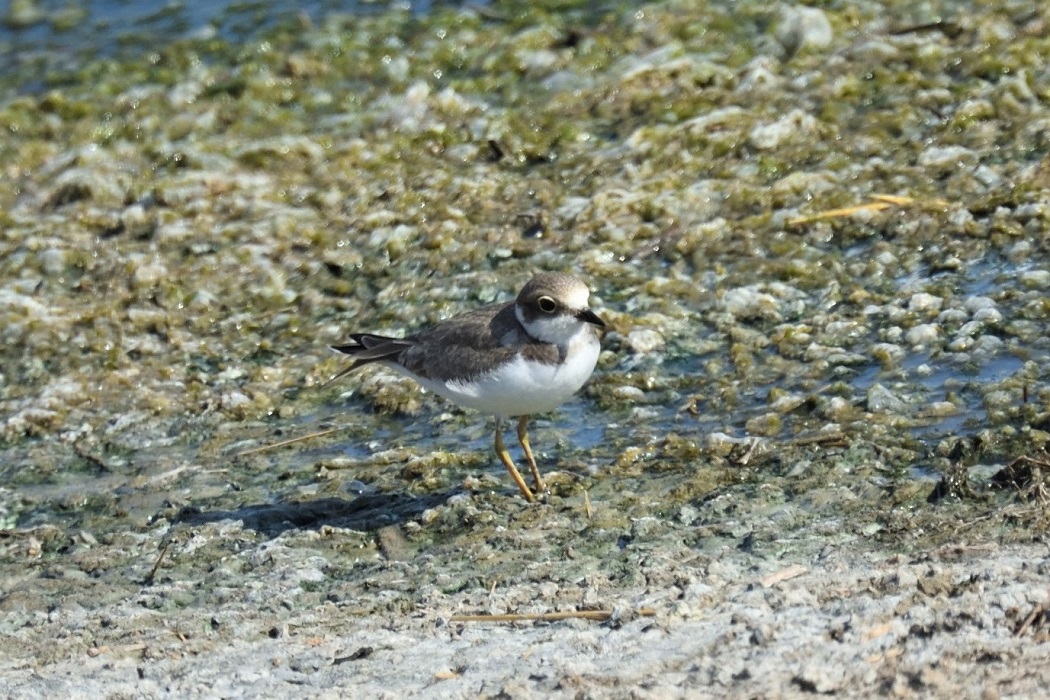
576,298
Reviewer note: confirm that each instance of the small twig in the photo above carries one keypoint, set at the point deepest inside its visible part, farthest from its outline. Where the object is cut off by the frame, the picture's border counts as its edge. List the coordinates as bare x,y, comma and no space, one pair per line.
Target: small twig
949,29
966,525
839,213
290,441
783,575
123,649
818,439
1030,460
587,510
156,566
170,474
92,459
1036,612
880,202
755,442
599,615
904,201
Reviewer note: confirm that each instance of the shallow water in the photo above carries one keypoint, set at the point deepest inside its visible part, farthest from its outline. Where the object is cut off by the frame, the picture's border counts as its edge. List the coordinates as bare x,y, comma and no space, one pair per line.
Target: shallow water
55,33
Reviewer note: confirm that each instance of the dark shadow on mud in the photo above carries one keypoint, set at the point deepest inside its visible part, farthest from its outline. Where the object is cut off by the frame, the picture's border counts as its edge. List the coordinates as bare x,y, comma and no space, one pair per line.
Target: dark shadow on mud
366,513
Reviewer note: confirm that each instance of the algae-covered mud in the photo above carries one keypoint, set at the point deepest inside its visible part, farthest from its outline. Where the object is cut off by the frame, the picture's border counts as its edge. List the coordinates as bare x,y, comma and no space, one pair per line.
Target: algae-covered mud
813,457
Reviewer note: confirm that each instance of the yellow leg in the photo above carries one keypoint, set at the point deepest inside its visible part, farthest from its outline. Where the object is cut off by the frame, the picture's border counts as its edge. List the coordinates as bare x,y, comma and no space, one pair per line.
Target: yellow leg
504,456
523,438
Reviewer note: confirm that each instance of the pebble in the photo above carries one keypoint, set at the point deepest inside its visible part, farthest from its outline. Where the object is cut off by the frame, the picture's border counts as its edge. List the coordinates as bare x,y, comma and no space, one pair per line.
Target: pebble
1035,279
793,126
53,261
939,409
149,273
970,328
960,220
844,329
766,425
135,220
837,408
887,354
952,316
643,341
234,399
628,393
875,50
759,74
803,27
989,316
923,335
723,444
988,345
922,302
886,258
946,159
1019,251
882,400
1001,398
750,303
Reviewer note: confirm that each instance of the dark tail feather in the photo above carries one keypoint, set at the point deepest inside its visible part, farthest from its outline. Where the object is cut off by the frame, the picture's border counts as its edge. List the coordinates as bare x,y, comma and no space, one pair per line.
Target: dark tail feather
366,348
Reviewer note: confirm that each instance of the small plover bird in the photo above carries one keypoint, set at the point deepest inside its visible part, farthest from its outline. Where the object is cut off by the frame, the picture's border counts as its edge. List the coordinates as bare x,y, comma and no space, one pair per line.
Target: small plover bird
517,358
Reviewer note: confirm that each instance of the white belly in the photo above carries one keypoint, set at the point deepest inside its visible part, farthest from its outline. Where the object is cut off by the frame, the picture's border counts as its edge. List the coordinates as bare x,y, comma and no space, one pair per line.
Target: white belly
519,387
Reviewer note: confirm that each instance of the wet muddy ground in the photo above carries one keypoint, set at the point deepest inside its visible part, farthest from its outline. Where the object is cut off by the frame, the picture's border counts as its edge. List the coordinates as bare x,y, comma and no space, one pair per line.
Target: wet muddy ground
813,456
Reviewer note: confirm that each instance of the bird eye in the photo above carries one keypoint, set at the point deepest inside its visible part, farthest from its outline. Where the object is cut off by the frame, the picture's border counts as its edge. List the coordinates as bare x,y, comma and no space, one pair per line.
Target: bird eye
547,305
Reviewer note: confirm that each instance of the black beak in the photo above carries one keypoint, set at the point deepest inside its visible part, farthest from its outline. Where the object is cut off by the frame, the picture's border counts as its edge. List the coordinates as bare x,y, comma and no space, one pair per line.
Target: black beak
590,317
